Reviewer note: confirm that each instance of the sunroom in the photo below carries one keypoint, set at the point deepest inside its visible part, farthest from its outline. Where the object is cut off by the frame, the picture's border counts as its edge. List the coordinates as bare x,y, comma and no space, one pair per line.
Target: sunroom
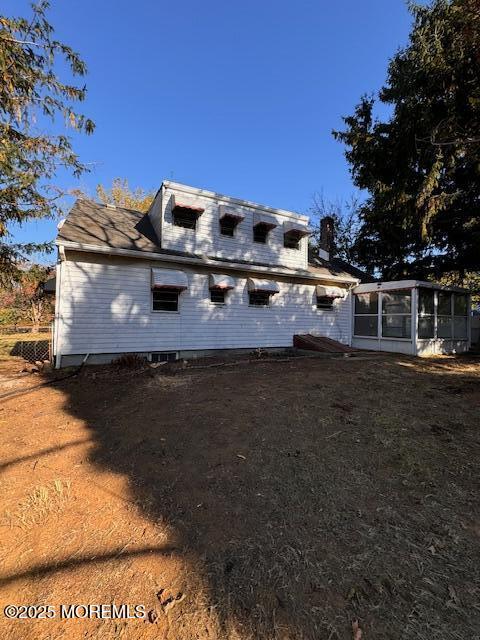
411,316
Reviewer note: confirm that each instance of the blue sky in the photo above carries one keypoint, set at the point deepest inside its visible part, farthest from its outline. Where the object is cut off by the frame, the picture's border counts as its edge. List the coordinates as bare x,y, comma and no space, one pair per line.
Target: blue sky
236,97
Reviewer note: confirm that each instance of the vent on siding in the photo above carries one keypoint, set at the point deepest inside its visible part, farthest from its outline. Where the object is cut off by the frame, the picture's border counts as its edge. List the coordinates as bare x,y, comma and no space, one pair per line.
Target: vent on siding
163,356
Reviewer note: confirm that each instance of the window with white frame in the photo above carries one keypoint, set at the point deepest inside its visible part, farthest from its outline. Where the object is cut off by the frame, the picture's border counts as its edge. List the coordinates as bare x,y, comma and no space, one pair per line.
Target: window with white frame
397,314
228,224
185,217
366,314
460,316
217,296
426,313
165,299
259,298
444,315
325,302
451,313
260,233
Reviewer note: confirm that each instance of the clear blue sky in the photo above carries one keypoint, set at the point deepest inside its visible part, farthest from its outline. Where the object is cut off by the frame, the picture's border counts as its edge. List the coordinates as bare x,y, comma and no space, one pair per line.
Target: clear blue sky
236,97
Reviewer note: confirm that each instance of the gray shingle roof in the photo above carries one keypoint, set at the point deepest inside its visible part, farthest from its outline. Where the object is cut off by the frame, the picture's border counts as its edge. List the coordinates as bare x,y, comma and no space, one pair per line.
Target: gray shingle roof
91,223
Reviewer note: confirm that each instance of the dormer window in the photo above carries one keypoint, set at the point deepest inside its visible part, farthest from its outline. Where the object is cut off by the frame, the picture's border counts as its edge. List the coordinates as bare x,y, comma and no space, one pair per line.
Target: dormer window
293,233
260,233
185,214
227,226
185,217
262,225
291,241
229,218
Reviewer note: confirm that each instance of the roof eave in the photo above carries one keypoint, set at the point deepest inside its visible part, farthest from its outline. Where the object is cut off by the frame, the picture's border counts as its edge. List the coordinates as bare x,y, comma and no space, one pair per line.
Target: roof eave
391,285
235,266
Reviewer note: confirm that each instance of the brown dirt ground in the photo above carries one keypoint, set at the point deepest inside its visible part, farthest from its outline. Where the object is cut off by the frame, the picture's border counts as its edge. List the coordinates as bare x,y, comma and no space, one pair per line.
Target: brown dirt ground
273,500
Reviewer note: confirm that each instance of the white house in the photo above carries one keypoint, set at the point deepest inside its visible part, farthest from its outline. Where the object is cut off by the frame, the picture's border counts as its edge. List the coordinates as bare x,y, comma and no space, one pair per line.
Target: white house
203,272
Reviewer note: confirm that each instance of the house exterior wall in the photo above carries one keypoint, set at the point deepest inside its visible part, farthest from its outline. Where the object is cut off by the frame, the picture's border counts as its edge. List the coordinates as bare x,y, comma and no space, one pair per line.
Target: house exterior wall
105,307
207,240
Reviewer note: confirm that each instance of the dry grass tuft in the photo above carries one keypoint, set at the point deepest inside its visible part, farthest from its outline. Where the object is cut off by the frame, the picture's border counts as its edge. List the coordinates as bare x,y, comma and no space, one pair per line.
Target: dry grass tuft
39,504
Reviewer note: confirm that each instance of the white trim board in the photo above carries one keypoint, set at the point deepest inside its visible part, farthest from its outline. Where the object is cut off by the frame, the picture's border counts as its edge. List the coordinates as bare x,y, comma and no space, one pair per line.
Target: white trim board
206,262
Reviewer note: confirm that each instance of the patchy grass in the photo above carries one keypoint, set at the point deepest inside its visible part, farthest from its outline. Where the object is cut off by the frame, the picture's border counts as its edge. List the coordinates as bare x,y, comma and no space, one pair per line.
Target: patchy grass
272,500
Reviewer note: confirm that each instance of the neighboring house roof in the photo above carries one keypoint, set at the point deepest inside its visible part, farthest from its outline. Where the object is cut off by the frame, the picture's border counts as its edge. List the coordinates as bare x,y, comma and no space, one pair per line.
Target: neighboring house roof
90,224
50,284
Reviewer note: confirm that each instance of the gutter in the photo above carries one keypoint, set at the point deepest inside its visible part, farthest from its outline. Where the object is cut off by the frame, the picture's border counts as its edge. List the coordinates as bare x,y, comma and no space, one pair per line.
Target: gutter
206,262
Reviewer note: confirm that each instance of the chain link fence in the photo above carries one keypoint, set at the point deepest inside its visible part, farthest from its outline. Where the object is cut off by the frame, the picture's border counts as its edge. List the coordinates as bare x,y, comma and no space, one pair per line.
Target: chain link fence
32,350
22,343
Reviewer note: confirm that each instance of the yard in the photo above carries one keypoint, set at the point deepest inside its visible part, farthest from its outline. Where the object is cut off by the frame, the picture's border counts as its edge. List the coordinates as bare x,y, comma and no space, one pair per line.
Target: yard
276,499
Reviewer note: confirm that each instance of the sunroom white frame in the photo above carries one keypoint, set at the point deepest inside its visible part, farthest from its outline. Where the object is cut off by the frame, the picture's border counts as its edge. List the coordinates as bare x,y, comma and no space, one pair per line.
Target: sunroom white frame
413,345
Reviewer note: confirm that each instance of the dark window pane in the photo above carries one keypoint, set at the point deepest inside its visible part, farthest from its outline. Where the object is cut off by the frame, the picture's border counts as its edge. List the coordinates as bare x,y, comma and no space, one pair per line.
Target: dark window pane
396,326
460,328
426,302
183,217
260,233
217,296
444,304
227,225
165,299
366,325
398,302
444,326
366,303
259,298
460,305
426,327
291,241
324,302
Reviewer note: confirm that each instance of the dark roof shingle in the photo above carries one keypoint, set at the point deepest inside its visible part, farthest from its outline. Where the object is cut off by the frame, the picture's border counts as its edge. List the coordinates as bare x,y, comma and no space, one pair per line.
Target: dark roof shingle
91,223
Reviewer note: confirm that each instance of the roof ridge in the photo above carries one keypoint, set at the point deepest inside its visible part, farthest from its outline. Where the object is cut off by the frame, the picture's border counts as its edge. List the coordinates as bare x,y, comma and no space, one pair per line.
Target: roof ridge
107,205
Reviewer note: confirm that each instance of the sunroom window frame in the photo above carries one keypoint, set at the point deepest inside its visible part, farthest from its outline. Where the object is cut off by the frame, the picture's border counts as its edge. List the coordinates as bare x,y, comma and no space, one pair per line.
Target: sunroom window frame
411,314
364,315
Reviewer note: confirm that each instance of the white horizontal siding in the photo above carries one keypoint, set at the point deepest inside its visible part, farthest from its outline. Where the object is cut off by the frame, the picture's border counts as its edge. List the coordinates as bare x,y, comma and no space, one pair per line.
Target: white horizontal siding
207,240
106,308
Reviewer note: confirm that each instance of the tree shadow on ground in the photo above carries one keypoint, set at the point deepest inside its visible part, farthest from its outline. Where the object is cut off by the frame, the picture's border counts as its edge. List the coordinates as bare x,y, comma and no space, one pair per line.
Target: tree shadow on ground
310,493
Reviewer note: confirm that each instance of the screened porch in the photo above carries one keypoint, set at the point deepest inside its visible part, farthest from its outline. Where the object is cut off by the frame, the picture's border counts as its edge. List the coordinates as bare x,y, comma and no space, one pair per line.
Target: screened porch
410,316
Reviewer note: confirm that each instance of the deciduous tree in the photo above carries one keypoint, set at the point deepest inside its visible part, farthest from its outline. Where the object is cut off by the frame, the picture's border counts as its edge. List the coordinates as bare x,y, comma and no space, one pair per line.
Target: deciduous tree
24,298
346,224
121,195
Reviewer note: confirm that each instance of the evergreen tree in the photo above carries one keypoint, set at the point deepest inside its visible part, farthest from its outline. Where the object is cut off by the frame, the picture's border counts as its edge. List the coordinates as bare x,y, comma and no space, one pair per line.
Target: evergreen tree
31,93
421,166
